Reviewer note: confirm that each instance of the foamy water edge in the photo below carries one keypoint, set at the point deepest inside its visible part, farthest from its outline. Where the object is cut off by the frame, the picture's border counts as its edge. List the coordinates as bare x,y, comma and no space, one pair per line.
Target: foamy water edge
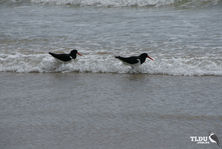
125,3
187,66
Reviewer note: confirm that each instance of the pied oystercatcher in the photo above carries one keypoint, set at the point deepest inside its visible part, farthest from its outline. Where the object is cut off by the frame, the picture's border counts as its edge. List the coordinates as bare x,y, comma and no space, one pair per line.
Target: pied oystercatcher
66,57
134,60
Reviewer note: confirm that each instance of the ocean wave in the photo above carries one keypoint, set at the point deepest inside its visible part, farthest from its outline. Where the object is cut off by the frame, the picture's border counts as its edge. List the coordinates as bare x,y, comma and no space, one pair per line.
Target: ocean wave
107,3
106,63
123,3
131,3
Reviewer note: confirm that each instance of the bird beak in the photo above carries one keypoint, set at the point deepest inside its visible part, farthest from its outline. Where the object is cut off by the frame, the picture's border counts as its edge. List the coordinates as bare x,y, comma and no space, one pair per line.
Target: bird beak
150,58
79,54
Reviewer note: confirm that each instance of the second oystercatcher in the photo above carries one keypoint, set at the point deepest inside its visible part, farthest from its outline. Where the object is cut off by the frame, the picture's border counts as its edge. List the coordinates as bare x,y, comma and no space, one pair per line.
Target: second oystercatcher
134,60
66,57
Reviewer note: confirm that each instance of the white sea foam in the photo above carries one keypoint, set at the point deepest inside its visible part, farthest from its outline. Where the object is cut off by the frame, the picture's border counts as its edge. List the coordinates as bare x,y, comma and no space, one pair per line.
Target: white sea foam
126,3
162,65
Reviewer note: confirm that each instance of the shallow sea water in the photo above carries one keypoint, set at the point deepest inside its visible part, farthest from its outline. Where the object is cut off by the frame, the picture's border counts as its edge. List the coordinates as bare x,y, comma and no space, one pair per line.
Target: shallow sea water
183,41
96,102
90,110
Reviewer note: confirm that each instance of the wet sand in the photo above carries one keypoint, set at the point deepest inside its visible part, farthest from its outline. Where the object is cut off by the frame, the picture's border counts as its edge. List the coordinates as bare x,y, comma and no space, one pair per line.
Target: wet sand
96,110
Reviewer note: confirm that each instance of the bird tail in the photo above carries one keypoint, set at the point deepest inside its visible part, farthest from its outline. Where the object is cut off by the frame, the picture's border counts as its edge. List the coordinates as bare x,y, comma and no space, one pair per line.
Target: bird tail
53,54
120,58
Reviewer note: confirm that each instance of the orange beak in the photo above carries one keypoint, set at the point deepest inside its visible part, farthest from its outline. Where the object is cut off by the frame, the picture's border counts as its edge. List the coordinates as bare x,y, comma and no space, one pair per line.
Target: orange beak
79,54
150,58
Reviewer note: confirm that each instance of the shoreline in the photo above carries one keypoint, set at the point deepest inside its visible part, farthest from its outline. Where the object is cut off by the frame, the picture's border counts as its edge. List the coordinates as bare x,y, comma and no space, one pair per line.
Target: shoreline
113,73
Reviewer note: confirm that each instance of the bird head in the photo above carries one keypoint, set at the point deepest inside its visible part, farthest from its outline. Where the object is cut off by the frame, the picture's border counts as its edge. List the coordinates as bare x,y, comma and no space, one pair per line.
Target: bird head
145,55
74,52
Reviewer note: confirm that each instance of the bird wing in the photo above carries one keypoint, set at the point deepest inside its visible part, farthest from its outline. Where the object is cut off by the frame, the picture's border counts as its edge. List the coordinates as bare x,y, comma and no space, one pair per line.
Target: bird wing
62,57
130,60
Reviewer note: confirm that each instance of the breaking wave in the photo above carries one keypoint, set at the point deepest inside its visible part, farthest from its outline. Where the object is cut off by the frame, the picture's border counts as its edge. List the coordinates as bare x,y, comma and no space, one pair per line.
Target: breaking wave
106,63
124,3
